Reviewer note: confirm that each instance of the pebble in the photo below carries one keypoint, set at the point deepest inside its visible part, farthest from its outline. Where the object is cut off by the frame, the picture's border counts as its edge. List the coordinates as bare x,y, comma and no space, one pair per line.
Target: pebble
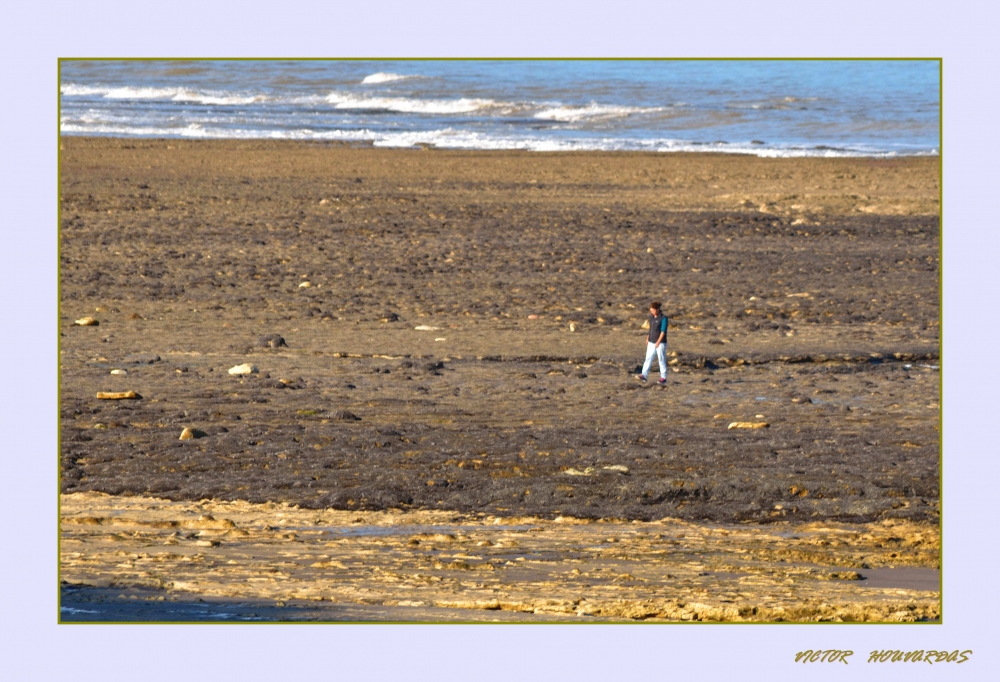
271,341
748,425
617,467
86,322
426,328
305,285
572,326
120,395
189,433
245,368
141,358
119,371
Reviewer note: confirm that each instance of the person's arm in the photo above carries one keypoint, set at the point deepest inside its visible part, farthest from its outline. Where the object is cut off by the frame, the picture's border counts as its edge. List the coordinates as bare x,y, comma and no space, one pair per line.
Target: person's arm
663,332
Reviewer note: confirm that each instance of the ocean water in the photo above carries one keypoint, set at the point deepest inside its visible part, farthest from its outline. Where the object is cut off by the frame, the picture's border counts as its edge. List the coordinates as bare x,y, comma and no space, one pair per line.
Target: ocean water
761,107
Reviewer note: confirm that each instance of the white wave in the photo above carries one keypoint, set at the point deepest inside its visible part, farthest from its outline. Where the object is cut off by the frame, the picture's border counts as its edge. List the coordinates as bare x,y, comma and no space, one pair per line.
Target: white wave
74,90
408,105
382,77
451,138
175,94
569,113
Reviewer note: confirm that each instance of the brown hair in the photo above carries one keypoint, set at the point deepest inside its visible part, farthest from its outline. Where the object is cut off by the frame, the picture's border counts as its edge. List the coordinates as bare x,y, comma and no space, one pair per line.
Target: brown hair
655,305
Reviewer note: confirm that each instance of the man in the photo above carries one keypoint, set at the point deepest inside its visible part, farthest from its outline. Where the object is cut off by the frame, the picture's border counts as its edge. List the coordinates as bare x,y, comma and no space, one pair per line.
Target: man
656,343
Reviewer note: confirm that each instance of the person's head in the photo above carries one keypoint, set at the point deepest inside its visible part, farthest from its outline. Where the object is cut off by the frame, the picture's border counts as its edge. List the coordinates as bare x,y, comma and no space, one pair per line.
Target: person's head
654,307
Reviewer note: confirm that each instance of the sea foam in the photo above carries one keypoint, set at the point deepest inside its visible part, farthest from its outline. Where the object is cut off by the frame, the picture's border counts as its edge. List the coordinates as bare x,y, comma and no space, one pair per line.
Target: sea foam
570,113
381,77
409,105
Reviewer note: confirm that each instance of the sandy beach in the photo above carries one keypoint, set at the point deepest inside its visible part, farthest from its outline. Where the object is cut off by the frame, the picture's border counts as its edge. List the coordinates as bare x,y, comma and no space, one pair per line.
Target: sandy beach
444,345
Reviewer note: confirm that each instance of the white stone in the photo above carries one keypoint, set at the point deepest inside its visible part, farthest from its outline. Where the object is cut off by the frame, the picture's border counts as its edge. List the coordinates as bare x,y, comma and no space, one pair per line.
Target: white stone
245,368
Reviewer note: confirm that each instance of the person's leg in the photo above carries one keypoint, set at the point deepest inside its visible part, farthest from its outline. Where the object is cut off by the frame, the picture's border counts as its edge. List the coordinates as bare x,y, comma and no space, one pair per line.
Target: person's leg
661,359
650,352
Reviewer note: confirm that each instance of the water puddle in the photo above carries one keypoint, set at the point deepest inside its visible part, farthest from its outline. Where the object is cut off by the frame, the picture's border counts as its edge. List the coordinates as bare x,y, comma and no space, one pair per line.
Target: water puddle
902,578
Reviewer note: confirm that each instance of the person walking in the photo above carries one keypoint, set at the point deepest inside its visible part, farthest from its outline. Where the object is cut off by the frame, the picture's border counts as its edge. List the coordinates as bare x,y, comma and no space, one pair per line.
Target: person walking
656,343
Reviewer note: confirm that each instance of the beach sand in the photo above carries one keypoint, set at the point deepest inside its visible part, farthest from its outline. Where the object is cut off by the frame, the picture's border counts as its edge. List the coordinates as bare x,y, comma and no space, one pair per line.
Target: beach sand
462,329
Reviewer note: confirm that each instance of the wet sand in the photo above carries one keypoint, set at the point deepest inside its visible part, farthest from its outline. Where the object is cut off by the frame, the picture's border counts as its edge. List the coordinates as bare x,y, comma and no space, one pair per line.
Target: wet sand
150,559
461,330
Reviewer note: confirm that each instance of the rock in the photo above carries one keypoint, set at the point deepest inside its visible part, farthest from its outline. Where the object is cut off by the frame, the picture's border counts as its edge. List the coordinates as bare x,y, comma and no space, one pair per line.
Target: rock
86,322
346,416
141,359
426,328
645,325
844,575
748,425
576,472
389,317
245,368
271,341
572,326
621,469
189,433
305,285
119,371
532,317
120,395
134,316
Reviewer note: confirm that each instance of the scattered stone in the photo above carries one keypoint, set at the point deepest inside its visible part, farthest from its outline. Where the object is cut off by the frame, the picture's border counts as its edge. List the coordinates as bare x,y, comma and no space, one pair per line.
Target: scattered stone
346,416
621,469
245,368
426,328
305,285
86,322
748,425
844,575
390,317
120,395
119,371
572,326
189,433
576,472
141,359
271,341
532,317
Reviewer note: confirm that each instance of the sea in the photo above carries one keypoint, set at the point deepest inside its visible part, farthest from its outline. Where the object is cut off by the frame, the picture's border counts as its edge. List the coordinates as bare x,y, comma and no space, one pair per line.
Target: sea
769,108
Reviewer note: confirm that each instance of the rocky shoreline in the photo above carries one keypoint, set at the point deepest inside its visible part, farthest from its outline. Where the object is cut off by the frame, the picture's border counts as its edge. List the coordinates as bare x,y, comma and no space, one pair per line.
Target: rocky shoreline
458,332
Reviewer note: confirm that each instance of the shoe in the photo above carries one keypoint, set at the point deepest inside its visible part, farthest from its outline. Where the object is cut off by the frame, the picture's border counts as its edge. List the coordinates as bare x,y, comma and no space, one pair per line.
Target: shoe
662,382
640,378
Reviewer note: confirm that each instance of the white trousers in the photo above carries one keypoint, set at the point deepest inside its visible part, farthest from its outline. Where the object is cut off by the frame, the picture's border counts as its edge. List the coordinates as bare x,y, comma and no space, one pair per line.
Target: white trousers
661,357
